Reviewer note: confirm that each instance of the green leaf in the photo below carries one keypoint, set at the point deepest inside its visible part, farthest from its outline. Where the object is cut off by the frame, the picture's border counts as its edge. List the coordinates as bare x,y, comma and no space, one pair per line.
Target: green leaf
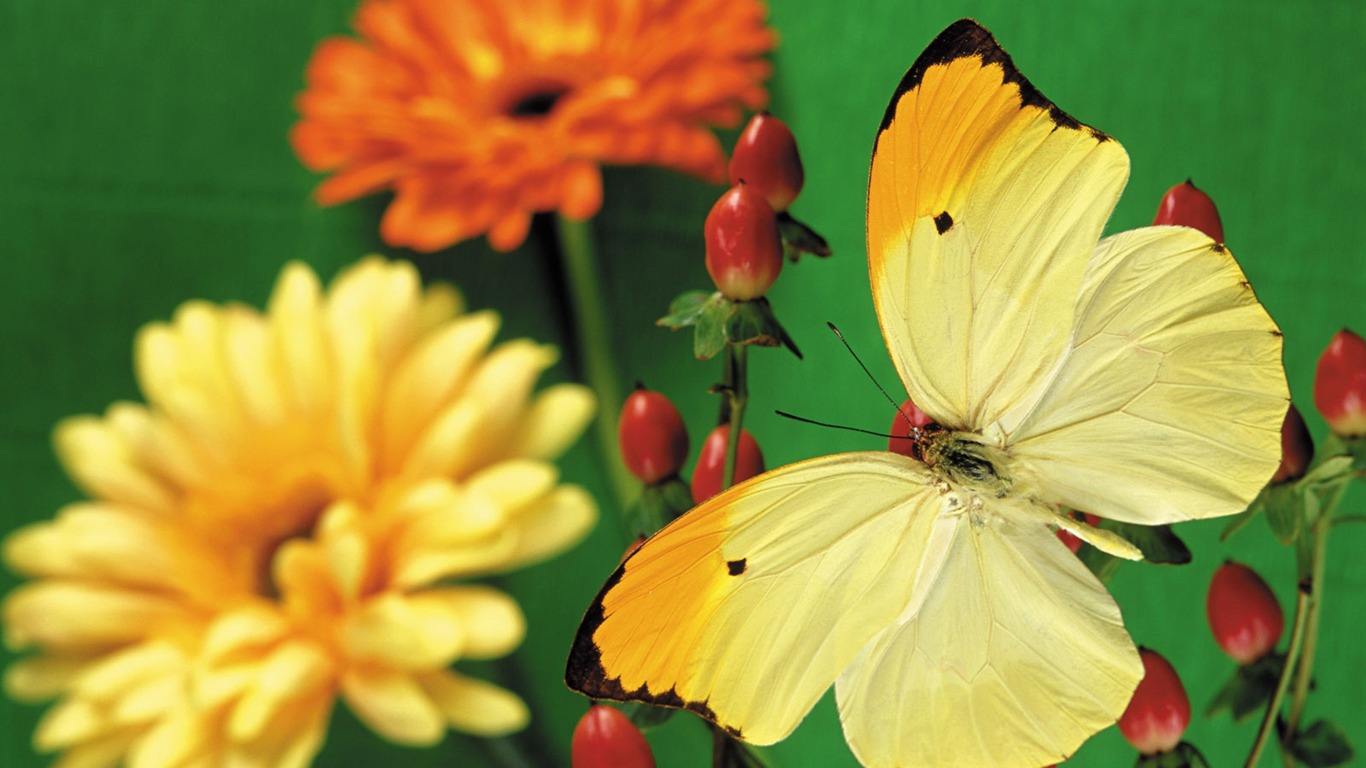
686,309
1285,506
710,336
799,238
1250,688
1183,755
1240,520
753,322
658,504
1321,744
1329,471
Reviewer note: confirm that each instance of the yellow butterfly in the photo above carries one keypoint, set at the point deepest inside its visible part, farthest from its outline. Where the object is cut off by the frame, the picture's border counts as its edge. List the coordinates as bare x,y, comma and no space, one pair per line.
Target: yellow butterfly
1137,378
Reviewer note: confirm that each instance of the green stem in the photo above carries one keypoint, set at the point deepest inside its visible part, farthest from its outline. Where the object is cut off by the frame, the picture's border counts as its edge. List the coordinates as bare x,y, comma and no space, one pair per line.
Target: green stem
737,395
507,752
593,342
1273,708
1305,671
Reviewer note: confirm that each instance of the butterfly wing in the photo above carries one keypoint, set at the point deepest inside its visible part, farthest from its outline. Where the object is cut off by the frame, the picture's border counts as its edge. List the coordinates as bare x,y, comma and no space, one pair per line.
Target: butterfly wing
984,204
748,607
1169,401
1016,656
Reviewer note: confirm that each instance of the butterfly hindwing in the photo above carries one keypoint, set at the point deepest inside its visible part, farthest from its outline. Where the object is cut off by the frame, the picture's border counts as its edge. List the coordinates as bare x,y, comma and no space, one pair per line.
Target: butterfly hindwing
746,608
1016,656
984,203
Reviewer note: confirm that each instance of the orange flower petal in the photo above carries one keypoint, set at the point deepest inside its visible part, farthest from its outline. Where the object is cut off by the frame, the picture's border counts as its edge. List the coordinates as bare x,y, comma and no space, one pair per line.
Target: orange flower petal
480,114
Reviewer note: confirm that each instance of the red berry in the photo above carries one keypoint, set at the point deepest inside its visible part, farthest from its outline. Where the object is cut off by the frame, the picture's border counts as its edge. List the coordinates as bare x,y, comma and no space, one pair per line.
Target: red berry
1243,613
1070,539
766,159
651,436
908,419
1297,448
744,247
1186,206
605,738
1159,711
1340,384
711,462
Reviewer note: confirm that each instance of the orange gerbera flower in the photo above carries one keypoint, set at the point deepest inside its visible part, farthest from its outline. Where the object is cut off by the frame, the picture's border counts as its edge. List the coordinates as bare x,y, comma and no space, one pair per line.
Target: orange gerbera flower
478,113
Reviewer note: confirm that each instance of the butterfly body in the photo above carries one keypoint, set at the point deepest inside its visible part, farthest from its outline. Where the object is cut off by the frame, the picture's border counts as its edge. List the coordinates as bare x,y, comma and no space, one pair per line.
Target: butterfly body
1135,377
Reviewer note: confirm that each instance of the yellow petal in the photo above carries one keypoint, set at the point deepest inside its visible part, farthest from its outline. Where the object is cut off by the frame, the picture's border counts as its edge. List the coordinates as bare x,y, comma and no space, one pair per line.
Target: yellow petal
556,418
347,548
106,752
294,670
103,464
255,373
63,615
69,722
442,302
430,561
39,550
436,368
116,673
490,621
246,628
515,483
39,678
501,387
450,440
551,526
216,686
151,700
298,340
475,706
404,633
171,742
112,544
393,705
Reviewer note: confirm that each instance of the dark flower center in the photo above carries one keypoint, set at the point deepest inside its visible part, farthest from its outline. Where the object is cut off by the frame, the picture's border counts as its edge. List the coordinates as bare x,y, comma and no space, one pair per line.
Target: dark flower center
537,104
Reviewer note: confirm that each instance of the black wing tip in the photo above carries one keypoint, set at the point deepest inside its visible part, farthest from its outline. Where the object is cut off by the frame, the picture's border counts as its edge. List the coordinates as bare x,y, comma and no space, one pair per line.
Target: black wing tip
966,38
584,671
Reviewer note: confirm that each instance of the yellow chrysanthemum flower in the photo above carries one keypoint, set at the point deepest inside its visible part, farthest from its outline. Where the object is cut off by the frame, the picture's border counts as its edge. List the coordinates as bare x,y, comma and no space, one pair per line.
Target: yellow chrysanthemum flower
290,519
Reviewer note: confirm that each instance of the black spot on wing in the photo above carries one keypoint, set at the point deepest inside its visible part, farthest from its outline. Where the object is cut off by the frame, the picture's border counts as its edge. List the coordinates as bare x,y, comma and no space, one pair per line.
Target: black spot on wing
965,38
585,673
943,222
735,567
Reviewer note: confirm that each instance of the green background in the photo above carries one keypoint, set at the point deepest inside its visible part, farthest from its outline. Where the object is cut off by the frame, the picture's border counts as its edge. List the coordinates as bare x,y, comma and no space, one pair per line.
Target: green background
143,162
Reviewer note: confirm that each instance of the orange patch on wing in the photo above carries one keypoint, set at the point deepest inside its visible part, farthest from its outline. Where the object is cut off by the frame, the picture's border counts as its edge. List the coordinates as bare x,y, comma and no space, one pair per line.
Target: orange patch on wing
646,657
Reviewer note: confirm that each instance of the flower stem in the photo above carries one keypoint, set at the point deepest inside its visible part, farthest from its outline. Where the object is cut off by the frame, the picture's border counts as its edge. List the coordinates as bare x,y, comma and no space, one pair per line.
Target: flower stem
1274,706
593,343
1304,672
737,395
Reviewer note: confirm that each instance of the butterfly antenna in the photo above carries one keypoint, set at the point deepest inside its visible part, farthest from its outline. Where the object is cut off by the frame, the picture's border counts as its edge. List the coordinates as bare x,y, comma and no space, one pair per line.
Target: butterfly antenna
844,427
895,405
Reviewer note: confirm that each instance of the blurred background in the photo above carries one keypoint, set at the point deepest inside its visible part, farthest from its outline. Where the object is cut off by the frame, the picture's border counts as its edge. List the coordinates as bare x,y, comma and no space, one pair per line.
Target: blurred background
144,162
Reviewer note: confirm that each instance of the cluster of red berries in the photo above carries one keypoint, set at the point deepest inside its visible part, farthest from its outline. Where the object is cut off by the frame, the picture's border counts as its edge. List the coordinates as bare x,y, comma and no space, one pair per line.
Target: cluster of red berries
654,444
743,239
1244,615
1247,623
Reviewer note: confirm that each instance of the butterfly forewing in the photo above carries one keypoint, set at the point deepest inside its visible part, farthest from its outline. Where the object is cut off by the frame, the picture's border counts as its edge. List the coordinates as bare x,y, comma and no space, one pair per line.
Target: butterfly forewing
984,203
